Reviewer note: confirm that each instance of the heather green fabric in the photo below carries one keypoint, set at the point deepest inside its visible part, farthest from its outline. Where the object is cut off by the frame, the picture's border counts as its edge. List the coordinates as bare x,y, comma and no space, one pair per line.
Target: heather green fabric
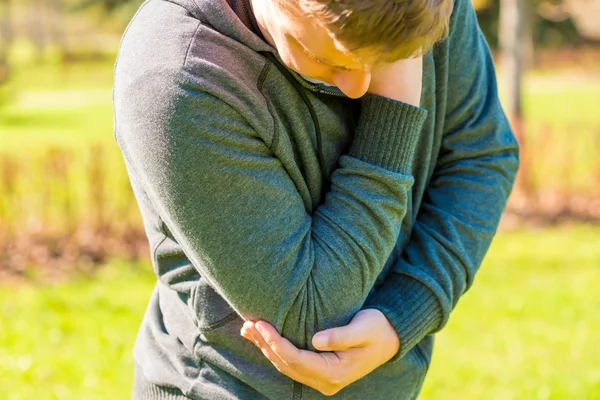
221,153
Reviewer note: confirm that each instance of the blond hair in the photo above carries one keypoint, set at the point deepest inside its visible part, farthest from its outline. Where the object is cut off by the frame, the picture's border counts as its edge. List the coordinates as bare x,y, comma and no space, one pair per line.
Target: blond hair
396,29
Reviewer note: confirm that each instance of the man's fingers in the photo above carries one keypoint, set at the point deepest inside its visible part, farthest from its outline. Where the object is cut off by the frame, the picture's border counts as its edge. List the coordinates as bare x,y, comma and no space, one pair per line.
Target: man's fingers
307,367
282,347
249,332
355,334
303,361
355,351
335,339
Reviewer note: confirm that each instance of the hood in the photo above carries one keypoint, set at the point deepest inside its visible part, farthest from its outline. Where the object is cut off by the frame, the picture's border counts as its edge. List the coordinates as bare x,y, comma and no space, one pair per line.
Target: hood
220,15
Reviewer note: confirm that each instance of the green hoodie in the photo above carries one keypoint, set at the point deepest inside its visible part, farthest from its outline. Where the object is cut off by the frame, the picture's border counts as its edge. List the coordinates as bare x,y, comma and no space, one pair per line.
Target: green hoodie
265,196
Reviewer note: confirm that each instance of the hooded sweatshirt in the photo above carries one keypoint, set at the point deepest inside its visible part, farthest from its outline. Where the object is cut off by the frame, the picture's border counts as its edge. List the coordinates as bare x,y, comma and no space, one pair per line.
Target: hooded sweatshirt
268,197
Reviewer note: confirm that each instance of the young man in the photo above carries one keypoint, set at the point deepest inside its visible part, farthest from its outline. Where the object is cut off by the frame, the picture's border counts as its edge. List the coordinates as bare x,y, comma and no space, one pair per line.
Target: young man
312,165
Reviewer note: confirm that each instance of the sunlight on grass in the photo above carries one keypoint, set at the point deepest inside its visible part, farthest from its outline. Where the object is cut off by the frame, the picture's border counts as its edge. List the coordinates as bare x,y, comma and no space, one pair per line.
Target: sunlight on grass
72,340
528,329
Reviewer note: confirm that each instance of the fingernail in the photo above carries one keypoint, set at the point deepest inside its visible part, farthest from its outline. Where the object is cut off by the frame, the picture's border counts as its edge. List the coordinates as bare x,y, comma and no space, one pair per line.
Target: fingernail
260,329
320,341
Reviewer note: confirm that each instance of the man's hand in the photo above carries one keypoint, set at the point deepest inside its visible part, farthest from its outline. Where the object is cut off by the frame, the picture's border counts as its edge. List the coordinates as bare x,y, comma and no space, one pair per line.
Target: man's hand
367,342
401,80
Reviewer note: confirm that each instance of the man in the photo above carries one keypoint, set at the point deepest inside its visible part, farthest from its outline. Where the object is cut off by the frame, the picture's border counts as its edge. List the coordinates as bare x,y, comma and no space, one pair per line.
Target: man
306,166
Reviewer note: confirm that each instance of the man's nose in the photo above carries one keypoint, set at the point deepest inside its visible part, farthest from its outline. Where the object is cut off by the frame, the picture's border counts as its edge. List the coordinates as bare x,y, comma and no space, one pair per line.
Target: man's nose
354,83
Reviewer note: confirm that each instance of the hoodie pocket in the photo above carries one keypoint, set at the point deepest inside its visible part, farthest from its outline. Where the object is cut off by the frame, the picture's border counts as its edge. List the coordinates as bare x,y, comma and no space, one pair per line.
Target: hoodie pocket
210,310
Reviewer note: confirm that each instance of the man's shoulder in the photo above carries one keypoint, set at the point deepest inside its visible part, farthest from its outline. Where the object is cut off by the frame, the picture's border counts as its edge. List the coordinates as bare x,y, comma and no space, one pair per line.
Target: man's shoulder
157,35
166,43
172,66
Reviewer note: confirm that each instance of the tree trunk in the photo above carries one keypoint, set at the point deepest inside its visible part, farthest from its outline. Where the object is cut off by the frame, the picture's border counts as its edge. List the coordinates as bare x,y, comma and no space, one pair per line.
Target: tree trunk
56,26
38,34
513,16
512,46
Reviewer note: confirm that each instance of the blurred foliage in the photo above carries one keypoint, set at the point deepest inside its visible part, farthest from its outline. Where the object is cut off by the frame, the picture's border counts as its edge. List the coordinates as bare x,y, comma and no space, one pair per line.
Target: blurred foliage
545,33
72,163
108,5
73,340
108,10
71,31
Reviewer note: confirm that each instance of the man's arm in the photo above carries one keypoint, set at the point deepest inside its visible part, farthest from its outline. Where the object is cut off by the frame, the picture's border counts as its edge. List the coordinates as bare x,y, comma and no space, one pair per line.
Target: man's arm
462,206
230,204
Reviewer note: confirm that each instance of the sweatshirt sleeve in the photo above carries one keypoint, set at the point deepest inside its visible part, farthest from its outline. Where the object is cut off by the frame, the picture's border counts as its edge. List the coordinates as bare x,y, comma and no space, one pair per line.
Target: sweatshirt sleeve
230,204
466,196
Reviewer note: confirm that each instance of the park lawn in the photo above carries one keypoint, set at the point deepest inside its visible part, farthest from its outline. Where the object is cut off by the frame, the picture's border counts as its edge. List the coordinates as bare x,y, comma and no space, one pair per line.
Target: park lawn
528,329
72,340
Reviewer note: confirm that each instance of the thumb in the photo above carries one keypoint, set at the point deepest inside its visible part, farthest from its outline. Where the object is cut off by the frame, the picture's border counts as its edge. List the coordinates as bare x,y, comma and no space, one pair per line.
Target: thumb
352,335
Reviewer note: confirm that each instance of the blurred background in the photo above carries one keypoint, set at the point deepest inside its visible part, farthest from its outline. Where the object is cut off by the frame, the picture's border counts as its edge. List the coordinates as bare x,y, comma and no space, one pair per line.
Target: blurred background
75,274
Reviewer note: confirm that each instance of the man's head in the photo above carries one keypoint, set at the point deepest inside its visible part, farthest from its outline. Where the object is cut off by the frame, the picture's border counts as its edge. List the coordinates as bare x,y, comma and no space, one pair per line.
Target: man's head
341,41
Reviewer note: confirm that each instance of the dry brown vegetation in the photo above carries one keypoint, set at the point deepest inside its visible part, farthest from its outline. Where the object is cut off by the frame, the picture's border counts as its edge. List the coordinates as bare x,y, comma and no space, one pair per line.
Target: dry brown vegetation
63,211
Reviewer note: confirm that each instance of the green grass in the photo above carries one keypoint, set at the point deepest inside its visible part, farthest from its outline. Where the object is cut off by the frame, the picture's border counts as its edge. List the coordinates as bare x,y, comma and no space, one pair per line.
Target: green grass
67,108
72,340
528,329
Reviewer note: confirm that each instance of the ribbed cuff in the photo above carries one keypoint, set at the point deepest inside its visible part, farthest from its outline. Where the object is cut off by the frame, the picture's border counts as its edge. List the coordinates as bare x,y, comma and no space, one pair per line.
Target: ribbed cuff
387,133
411,307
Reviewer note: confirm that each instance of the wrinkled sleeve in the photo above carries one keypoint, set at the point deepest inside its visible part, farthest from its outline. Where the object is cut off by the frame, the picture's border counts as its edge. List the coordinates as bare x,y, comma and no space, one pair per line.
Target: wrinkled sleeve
465,198
230,204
